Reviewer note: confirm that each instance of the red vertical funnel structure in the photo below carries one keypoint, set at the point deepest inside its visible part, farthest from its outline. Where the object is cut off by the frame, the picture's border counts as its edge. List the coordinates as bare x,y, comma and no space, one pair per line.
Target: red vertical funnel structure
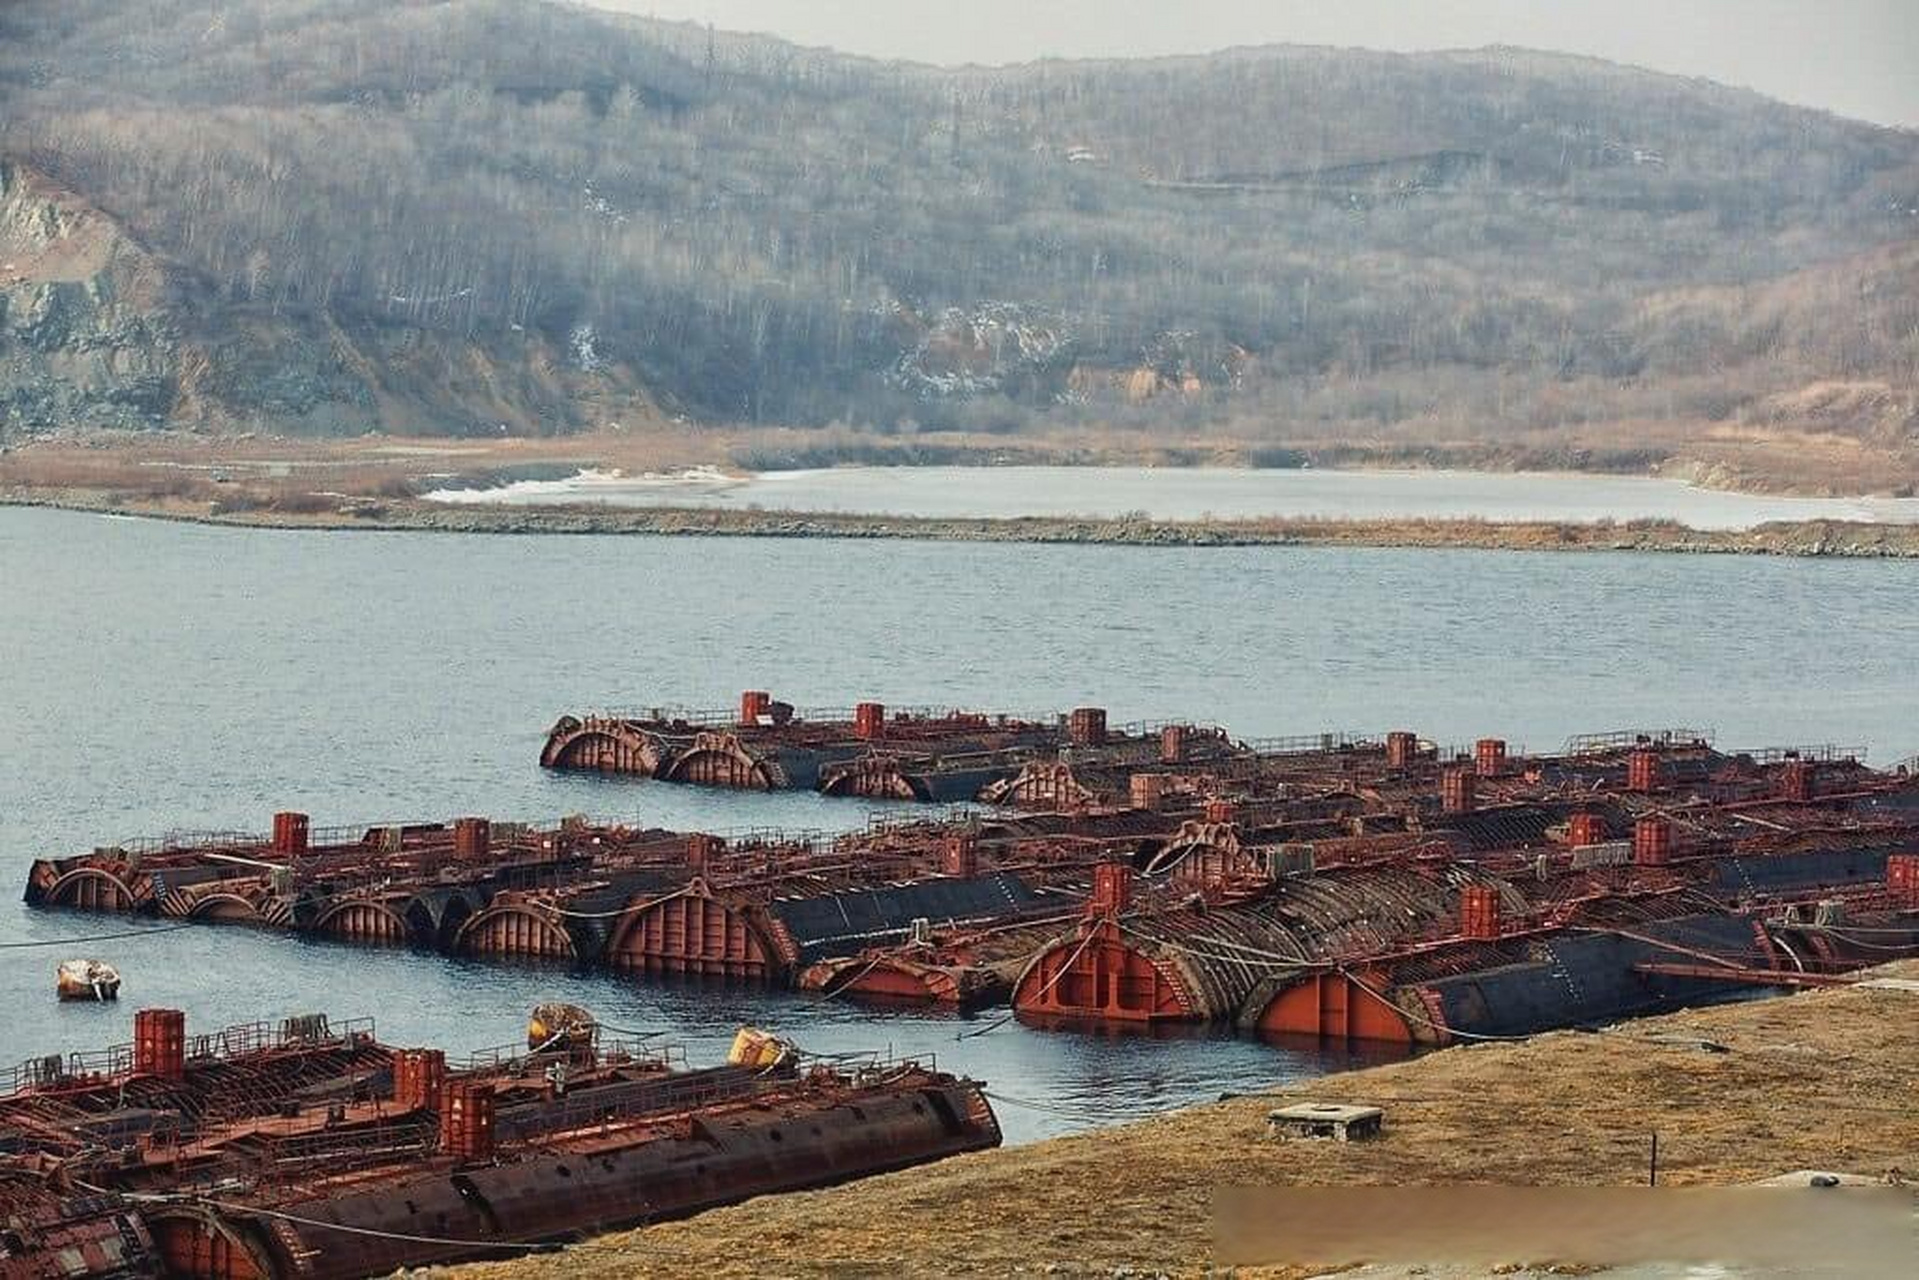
1112,889
1086,727
472,839
1583,829
1147,790
755,703
701,849
160,1043
1172,744
1456,790
959,856
1642,770
1652,842
419,1077
466,1120
1401,749
1902,878
1489,757
1479,912
290,833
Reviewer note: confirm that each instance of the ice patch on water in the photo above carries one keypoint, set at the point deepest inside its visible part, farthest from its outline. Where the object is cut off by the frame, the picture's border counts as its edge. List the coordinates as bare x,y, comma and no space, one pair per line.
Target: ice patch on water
1197,493
589,485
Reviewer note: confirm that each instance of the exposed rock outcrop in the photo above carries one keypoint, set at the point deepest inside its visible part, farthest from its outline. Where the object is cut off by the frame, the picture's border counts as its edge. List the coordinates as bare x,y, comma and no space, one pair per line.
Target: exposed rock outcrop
87,335
97,331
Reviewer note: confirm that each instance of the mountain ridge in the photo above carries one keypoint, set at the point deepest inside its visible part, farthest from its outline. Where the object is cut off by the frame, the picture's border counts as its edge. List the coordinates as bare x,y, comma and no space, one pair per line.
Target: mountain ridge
595,217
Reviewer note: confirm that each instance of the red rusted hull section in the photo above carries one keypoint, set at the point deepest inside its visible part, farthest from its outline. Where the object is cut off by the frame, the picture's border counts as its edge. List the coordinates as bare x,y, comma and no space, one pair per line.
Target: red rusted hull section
1338,1009
1352,887
926,754
336,1156
639,901
1390,896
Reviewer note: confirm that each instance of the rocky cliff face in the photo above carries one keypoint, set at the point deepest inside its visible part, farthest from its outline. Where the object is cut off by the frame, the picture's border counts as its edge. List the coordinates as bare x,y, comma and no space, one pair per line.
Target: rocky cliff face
86,331
97,331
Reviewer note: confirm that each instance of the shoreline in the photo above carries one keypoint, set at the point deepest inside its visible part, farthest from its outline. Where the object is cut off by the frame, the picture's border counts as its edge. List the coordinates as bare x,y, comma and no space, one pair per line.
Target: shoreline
1703,480
1727,1088
1805,539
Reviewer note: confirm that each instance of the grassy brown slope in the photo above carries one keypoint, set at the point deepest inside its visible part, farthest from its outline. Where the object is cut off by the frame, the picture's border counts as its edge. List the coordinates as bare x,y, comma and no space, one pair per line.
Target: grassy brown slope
1819,1080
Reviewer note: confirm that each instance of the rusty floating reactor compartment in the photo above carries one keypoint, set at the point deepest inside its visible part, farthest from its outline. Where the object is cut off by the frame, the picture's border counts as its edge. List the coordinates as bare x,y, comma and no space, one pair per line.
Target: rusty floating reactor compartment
1343,886
757,908
1487,896
312,1149
940,755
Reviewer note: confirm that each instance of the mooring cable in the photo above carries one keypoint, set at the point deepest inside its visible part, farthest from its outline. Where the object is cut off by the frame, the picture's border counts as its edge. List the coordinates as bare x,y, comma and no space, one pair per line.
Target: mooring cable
148,1197
1069,1112
827,991
1002,1020
97,937
633,1032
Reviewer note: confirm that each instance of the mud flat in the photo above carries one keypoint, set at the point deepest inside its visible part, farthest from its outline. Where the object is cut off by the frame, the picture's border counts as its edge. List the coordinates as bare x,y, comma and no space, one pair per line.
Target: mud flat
1819,1080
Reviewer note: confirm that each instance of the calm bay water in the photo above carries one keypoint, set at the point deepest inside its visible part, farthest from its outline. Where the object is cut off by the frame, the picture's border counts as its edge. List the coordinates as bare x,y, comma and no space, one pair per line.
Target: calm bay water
156,676
1192,493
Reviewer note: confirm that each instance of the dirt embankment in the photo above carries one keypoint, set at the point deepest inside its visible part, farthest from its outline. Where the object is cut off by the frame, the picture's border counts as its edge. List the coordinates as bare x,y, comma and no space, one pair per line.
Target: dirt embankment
1822,1080
1810,538
374,482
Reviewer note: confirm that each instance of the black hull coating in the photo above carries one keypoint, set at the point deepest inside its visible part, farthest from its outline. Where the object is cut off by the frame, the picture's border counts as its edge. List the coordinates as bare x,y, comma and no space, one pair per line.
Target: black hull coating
1587,979
565,1194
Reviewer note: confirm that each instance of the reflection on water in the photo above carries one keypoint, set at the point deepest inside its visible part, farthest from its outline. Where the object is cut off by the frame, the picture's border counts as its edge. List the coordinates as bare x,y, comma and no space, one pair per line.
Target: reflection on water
1193,493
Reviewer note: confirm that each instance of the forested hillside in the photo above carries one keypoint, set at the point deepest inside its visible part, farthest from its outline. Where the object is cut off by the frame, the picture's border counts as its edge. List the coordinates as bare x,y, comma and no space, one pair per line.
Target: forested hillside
466,214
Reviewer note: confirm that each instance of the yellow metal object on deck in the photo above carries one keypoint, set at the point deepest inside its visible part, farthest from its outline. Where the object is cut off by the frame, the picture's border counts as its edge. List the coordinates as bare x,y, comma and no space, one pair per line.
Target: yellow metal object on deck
559,1026
755,1048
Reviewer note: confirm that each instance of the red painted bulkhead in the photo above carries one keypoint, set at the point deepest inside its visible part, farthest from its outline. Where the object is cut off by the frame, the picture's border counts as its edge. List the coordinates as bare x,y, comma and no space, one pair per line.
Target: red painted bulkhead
1100,975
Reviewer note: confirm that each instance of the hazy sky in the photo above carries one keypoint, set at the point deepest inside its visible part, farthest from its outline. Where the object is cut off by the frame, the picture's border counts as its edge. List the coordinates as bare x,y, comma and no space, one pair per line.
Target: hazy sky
1857,57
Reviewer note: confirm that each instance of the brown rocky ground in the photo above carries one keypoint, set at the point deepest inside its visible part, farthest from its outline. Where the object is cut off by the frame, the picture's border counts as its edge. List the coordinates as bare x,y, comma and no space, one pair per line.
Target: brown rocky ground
1819,1080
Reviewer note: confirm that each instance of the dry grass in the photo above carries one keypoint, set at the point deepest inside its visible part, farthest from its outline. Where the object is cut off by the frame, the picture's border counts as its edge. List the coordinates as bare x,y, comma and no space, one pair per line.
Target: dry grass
371,482
1819,1080
230,473
1784,454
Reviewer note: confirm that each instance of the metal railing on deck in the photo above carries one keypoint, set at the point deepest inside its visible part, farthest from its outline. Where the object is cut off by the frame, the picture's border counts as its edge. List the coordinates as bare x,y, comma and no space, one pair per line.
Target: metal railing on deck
314,1031
347,1148
53,1068
189,840
1586,744
306,1031
1824,752
708,717
513,1059
1307,744
637,1100
871,1063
